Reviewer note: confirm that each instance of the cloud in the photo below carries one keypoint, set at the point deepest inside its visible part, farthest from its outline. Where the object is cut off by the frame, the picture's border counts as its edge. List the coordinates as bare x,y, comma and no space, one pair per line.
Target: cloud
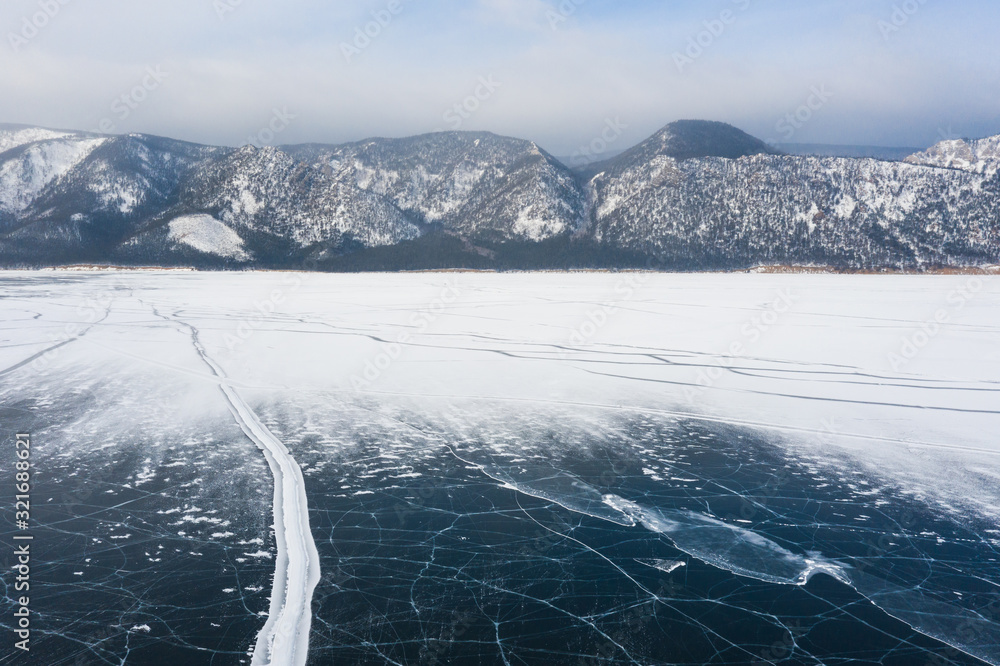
559,87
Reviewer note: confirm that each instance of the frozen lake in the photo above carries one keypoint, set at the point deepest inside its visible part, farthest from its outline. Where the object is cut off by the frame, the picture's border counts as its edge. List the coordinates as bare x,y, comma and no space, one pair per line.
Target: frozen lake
507,468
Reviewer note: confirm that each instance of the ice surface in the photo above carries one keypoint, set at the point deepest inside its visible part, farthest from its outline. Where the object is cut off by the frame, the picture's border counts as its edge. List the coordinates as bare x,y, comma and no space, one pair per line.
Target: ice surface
522,468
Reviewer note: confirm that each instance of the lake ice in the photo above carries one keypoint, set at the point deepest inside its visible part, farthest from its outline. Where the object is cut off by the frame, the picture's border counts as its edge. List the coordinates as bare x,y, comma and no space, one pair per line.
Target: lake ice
529,468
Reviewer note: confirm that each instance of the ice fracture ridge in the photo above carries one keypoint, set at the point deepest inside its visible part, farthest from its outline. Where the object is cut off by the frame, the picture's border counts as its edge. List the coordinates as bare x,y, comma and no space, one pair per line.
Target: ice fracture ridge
747,553
284,638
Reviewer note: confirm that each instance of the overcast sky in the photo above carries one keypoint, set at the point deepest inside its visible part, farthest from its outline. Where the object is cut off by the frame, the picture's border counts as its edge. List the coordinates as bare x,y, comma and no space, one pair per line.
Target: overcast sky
882,72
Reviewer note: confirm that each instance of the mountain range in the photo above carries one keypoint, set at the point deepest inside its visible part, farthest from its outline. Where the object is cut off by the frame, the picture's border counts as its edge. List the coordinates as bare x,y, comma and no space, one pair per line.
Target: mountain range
695,195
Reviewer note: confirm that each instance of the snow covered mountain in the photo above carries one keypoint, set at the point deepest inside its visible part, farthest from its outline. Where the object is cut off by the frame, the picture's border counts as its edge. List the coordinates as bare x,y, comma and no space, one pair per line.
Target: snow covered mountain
77,196
476,184
696,194
981,155
684,140
266,190
712,211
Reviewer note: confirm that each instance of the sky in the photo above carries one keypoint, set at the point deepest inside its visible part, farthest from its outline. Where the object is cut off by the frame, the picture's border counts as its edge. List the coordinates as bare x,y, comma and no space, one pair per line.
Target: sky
568,74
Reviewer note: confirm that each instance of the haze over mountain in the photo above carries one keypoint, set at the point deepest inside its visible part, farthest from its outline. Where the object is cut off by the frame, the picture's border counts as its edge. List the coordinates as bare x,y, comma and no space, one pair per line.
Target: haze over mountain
697,194
891,153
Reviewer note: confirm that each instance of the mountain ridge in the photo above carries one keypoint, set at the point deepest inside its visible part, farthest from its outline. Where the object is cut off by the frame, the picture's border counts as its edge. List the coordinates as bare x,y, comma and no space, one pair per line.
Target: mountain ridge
695,194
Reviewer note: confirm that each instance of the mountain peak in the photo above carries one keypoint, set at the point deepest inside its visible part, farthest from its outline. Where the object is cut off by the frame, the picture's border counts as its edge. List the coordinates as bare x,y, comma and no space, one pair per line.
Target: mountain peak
979,155
689,139
686,140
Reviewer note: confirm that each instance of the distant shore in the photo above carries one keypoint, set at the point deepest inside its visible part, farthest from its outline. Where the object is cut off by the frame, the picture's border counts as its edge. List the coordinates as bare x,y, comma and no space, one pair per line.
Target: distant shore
761,270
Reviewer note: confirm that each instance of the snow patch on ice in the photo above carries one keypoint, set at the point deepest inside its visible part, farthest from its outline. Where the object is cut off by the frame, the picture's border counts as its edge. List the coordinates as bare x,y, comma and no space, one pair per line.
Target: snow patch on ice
666,566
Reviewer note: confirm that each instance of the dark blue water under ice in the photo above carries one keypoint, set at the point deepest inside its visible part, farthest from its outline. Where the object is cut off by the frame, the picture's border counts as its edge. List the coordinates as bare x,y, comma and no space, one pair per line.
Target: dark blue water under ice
540,538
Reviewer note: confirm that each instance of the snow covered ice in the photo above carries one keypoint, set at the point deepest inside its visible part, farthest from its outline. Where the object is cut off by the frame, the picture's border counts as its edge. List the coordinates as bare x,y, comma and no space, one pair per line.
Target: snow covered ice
525,468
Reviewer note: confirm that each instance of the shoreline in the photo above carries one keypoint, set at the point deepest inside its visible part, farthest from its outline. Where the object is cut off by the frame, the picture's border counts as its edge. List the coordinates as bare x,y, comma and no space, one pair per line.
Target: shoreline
758,270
